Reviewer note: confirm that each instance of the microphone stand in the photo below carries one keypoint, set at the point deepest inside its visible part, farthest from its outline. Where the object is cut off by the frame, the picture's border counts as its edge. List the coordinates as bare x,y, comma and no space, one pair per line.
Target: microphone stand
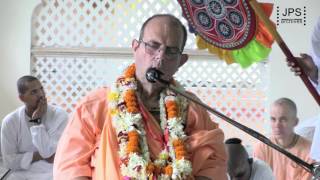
153,75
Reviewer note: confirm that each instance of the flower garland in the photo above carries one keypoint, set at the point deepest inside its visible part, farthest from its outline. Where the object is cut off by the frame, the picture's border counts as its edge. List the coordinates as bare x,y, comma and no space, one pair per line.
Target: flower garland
135,162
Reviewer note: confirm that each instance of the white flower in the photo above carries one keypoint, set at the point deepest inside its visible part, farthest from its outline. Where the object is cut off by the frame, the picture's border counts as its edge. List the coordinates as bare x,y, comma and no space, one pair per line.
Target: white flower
131,118
176,128
121,125
122,149
164,177
170,98
181,166
136,162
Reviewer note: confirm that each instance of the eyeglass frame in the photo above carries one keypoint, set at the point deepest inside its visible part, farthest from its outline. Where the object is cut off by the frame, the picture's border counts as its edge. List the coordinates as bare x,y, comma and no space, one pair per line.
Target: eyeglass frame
152,50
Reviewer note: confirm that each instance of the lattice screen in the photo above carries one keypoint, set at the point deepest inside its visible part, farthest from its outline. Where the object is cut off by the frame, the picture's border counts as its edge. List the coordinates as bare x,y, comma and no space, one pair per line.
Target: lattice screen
95,23
61,26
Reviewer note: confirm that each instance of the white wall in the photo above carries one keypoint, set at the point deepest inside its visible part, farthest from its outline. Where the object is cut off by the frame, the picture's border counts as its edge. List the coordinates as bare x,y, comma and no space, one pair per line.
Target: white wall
297,37
15,32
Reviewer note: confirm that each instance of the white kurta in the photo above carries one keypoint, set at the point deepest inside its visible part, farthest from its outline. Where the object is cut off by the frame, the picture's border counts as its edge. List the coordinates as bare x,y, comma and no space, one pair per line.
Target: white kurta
310,128
19,139
261,171
315,40
315,53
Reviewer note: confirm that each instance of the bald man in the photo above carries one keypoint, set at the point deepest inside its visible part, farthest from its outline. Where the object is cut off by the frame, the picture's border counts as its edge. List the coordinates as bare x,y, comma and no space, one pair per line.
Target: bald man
241,167
283,119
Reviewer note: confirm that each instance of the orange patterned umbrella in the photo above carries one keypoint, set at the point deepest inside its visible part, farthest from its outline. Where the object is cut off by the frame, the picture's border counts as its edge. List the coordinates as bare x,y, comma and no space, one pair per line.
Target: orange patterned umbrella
229,28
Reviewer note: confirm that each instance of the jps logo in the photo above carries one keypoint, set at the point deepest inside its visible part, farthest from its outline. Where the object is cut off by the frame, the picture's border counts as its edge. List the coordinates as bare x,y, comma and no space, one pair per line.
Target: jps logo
292,12
291,15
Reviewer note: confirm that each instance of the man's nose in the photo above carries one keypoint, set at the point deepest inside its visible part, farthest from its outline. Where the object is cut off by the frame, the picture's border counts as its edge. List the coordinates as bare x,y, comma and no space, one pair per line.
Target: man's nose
277,123
159,58
161,52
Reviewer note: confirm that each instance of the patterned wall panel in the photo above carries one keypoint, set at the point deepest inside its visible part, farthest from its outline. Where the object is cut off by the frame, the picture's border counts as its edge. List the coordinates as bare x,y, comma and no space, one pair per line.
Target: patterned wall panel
95,23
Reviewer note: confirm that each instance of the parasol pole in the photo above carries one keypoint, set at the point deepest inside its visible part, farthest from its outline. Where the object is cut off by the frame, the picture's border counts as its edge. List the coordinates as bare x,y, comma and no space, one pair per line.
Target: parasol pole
258,10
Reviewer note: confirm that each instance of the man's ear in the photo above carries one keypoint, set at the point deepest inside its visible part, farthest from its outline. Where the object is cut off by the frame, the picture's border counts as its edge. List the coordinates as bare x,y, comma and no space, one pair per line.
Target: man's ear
184,58
134,45
296,122
21,97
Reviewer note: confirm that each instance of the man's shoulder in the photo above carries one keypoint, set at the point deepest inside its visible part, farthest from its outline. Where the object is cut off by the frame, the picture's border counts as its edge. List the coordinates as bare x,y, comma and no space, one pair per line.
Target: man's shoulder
303,142
12,116
261,149
94,107
260,145
95,96
95,99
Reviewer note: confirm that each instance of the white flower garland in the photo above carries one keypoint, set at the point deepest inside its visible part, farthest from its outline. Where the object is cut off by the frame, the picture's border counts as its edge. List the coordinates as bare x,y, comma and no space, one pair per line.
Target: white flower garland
135,166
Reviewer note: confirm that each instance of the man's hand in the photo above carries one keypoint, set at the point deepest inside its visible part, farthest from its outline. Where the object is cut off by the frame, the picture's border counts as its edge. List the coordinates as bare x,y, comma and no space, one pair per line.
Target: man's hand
308,66
41,109
36,157
50,159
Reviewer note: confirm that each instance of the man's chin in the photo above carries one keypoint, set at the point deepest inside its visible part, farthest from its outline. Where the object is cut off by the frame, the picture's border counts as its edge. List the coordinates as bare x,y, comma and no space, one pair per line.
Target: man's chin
278,136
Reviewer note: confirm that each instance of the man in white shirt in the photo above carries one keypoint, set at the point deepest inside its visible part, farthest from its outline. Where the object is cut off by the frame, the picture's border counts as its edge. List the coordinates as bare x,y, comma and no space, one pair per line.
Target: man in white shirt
310,128
241,167
29,135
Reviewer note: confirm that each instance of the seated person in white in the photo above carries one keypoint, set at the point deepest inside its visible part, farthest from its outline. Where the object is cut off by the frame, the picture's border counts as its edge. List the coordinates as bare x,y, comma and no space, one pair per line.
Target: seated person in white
241,167
29,135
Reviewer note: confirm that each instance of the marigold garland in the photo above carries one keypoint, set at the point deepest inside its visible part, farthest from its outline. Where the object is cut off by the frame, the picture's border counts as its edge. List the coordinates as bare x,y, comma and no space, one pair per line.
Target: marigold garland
135,162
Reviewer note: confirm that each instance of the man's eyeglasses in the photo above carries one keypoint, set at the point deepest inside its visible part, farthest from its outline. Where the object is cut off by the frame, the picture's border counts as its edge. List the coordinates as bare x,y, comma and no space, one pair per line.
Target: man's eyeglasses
153,48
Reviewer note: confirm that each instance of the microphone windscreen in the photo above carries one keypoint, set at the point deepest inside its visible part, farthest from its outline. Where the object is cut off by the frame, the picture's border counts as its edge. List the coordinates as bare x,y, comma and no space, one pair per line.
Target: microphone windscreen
152,75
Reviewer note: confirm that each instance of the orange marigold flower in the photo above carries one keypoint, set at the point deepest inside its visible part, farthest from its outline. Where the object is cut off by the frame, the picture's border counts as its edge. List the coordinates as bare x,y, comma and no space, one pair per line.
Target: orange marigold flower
179,148
133,133
177,142
170,103
172,115
133,143
130,95
133,149
172,108
180,154
133,109
132,103
130,71
150,168
134,138
130,99
168,170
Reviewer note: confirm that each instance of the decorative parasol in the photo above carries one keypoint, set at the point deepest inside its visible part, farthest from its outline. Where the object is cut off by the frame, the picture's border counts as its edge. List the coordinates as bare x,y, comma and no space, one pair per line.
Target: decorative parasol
238,31
230,29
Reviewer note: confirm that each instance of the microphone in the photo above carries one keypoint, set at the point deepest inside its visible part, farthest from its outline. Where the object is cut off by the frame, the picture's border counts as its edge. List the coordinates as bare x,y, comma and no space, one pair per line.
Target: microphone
153,75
